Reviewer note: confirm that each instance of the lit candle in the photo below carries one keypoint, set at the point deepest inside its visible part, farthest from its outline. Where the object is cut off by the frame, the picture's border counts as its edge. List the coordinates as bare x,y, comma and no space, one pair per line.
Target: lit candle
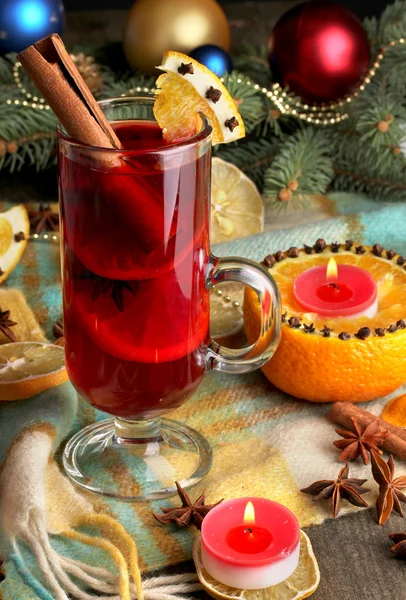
250,543
337,290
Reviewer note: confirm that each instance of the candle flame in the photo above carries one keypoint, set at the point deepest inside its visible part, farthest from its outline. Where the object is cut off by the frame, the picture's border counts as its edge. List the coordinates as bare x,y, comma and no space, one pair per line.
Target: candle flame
249,514
332,270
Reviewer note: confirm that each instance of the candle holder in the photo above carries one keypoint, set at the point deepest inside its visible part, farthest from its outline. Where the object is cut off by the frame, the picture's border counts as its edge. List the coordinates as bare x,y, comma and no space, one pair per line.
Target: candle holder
302,583
343,336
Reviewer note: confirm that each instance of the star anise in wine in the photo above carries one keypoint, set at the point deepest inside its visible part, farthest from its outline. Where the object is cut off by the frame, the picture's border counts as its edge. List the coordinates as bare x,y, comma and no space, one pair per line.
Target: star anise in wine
43,219
342,487
399,544
113,287
189,513
390,494
360,441
5,324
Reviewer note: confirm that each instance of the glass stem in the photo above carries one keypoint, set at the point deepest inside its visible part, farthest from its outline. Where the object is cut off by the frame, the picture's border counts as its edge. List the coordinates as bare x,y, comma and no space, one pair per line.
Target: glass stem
137,432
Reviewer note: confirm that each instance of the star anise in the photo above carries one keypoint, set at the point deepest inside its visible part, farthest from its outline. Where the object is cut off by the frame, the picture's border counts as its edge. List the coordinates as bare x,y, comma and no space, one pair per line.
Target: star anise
43,219
360,441
342,487
113,287
390,495
399,544
188,514
5,324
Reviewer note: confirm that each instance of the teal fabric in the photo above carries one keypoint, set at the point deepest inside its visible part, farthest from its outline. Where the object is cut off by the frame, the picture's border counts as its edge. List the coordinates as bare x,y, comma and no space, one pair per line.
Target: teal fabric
386,226
56,406
360,219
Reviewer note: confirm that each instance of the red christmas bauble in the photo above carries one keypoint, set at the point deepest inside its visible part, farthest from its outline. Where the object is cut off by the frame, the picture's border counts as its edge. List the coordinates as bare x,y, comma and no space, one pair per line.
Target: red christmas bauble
320,50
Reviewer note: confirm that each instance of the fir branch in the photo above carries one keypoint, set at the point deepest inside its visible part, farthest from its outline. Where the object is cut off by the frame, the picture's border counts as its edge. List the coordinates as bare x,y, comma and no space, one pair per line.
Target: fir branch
39,153
278,153
249,102
390,26
251,155
253,61
19,121
381,126
6,69
360,167
301,168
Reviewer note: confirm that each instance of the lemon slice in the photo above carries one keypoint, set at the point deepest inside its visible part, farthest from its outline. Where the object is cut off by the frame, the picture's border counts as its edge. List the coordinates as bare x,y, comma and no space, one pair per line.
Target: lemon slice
187,88
14,232
237,209
301,584
29,368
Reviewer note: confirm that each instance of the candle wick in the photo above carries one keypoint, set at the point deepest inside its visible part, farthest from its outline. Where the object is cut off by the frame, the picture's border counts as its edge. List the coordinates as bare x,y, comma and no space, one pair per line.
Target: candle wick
248,530
334,285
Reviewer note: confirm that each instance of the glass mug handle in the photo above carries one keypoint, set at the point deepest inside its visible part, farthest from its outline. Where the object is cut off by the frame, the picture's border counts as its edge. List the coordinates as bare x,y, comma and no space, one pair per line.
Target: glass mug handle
244,360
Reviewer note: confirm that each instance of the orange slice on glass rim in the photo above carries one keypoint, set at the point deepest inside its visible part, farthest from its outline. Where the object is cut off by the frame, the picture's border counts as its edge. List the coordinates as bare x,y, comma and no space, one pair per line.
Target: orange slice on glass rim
187,88
312,366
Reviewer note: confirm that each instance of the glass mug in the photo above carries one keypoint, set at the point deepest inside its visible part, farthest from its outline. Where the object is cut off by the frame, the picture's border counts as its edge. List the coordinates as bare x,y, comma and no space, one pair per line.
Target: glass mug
137,270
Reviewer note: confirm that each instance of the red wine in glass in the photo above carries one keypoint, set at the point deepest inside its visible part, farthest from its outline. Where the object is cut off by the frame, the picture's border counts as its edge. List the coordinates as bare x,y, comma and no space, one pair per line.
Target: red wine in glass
136,325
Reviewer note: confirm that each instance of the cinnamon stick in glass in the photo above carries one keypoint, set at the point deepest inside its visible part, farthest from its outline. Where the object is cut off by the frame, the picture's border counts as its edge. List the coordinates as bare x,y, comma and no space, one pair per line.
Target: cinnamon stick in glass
51,69
395,442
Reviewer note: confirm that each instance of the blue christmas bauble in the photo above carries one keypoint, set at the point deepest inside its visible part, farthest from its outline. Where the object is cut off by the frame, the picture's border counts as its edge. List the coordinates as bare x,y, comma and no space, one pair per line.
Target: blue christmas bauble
214,58
23,22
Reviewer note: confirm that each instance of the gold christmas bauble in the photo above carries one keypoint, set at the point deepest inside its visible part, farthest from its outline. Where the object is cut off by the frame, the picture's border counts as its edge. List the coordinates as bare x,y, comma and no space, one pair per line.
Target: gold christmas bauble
155,26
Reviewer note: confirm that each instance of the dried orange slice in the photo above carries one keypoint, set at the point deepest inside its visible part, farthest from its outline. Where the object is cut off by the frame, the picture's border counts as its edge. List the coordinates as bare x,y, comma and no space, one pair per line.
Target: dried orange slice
187,88
29,368
311,366
301,584
237,209
14,232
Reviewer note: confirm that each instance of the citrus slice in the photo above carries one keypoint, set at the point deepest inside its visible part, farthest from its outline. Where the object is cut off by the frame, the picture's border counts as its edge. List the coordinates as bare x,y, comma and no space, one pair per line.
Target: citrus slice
153,320
29,368
322,367
187,88
14,232
237,209
301,584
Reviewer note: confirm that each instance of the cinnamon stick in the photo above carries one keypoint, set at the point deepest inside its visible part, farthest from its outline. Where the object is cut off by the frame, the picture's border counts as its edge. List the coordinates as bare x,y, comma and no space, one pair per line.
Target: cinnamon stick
395,442
51,69
49,66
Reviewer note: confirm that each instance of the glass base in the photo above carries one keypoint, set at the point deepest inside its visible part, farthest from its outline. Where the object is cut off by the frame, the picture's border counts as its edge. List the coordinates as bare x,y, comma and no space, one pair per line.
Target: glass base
137,460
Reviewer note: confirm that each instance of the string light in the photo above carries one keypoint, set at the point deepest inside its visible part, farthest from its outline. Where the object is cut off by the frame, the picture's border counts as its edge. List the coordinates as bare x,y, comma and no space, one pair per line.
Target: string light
34,101
316,114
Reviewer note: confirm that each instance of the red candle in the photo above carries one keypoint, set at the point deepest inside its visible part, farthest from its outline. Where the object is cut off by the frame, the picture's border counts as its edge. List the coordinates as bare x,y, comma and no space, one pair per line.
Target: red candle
250,543
249,538
337,291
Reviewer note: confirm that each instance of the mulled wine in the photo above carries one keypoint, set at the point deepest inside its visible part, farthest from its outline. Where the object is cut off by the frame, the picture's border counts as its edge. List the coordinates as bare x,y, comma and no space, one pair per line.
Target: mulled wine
136,307
137,272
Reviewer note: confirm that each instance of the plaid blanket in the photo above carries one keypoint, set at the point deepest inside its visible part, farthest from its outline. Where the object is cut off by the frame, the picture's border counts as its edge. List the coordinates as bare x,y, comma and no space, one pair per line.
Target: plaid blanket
265,443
